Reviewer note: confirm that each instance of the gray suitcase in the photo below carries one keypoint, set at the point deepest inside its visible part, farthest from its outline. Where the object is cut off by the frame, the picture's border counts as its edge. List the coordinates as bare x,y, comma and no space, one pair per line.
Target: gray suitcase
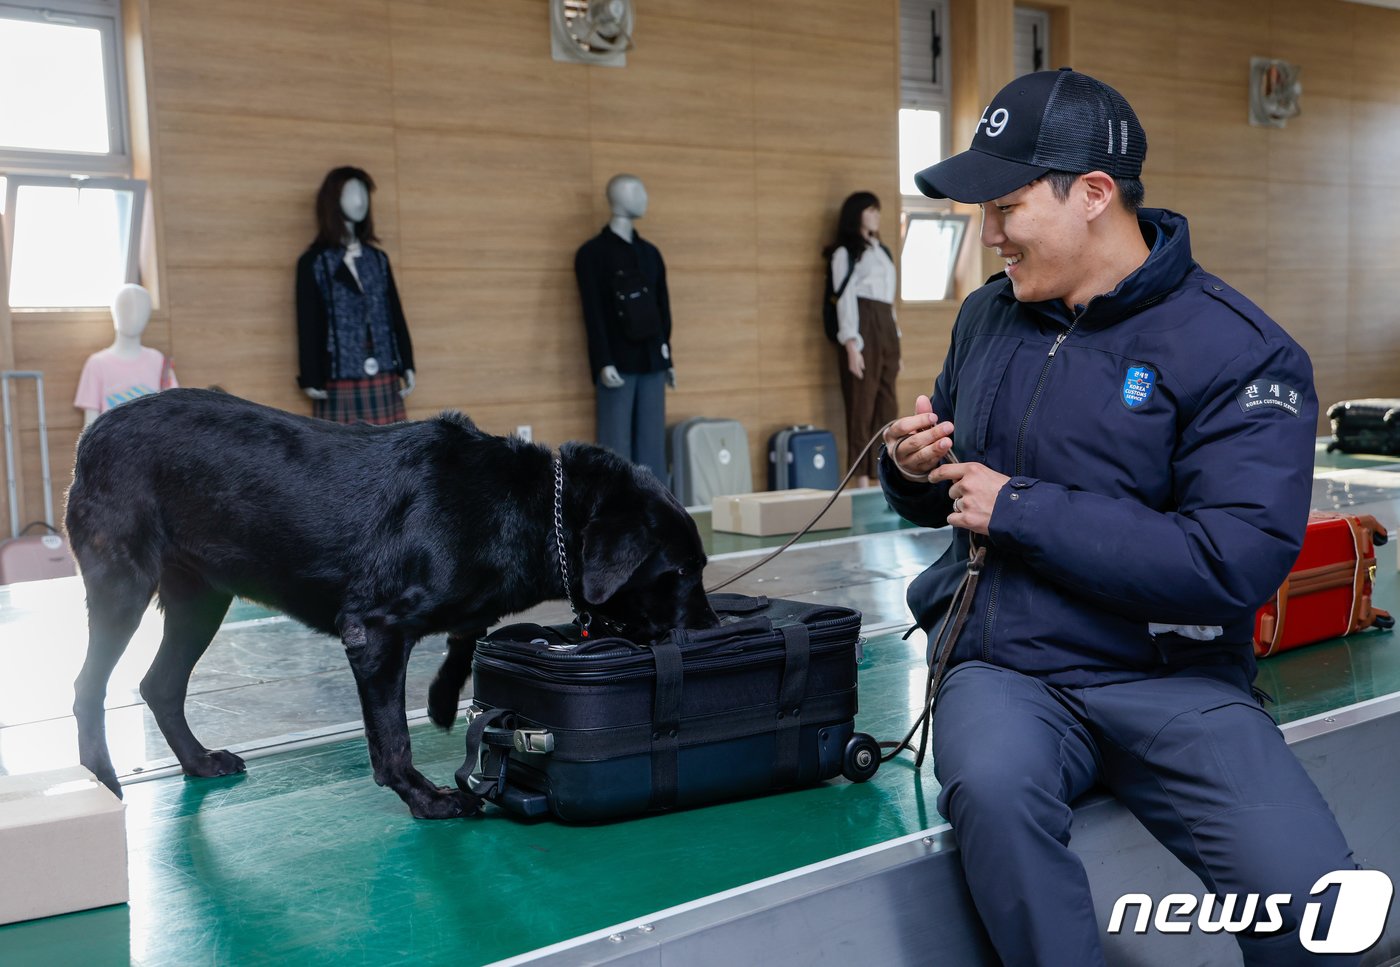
709,457
25,556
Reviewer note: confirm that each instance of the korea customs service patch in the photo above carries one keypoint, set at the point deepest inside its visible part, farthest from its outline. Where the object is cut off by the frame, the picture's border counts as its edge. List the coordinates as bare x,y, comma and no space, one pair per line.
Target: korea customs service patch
1138,385
1265,393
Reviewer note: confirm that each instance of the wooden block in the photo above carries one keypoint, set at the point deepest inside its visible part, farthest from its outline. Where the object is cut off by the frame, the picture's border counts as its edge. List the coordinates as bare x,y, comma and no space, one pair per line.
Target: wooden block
63,836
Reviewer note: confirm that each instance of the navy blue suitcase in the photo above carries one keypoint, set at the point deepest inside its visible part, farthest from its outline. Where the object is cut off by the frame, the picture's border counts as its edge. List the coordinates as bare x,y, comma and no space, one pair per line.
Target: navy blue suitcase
802,456
602,728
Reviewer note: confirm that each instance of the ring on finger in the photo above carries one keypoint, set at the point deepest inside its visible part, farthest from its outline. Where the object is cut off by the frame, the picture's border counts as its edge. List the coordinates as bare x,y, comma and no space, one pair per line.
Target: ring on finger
957,506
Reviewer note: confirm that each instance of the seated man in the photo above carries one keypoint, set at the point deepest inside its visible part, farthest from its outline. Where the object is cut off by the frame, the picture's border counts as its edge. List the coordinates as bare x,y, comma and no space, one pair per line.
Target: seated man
1133,471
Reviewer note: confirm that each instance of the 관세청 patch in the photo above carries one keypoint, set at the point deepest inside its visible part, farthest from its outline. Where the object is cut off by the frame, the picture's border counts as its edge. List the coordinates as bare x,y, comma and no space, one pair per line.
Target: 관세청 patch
1265,393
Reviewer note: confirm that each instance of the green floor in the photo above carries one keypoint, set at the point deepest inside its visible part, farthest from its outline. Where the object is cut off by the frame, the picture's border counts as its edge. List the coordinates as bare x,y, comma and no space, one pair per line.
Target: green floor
304,860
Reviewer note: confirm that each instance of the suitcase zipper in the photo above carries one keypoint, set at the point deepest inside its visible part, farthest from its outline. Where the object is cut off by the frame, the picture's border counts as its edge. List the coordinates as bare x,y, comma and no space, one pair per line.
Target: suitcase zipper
635,663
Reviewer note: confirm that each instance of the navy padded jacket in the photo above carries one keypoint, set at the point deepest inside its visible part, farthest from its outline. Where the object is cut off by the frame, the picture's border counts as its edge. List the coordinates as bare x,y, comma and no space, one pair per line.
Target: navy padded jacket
1161,471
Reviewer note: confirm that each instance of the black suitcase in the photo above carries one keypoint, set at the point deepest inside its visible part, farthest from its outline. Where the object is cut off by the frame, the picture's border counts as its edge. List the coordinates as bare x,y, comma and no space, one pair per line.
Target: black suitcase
1365,426
603,728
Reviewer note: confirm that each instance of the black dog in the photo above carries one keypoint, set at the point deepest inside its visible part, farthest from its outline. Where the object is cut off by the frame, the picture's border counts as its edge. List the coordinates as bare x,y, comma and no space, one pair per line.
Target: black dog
378,535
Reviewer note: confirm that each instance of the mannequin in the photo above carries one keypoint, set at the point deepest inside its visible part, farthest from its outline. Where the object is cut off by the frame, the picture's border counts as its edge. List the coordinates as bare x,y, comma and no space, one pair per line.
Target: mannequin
125,369
627,314
355,352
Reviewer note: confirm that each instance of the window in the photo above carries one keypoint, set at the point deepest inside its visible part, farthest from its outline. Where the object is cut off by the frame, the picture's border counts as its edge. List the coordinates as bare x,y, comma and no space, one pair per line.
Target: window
932,235
71,212
73,241
64,108
1032,51
932,241
924,115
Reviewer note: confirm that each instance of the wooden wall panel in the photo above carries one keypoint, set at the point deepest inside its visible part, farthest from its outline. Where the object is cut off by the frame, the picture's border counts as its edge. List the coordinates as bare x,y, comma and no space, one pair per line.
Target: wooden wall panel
1308,228
1316,146
1214,41
1115,37
319,61
1375,142
872,21
241,191
1212,132
478,338
805,106
1372,312
1375,68
238,331
483,67
685,83
1228,220
1319,36
473,201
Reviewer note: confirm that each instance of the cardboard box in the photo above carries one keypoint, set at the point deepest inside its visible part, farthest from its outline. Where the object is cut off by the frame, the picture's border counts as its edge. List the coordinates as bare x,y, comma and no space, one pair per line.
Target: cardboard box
63,837
779,512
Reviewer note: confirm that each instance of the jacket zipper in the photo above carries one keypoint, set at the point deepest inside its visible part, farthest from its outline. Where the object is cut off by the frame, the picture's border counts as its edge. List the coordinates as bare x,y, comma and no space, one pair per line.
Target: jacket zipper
1020,466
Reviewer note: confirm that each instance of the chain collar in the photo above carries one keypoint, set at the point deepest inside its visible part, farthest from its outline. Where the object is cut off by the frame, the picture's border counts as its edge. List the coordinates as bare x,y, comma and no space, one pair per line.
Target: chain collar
581,618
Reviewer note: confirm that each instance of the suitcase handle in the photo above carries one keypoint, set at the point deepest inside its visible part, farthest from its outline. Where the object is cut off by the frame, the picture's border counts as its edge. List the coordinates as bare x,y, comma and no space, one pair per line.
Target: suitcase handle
733,603
710,636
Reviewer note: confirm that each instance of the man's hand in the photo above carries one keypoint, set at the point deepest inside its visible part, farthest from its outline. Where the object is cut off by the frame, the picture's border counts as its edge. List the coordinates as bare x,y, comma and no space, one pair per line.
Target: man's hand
974,492
855,362
918,443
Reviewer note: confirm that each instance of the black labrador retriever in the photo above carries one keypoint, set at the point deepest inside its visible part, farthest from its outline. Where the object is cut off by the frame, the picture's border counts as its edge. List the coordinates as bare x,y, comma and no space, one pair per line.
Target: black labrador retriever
379,535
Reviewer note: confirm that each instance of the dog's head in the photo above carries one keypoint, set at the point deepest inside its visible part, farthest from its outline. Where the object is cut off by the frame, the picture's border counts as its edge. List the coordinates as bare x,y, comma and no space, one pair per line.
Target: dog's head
642,559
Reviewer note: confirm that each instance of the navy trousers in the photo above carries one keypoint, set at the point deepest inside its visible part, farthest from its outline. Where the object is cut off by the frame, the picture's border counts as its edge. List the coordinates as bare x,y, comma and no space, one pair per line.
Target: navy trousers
632,420
1192,755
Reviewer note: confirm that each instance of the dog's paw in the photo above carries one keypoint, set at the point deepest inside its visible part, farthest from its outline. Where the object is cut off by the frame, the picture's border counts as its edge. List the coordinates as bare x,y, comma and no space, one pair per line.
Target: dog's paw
442,706
444,803
218,762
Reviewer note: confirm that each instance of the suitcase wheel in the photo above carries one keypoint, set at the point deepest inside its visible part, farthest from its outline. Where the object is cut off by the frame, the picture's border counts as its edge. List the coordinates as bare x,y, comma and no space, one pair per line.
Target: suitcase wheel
861,758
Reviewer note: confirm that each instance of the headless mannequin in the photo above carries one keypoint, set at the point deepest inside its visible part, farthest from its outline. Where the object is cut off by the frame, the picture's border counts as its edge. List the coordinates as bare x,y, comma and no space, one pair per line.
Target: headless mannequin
131,311
627,197
354,205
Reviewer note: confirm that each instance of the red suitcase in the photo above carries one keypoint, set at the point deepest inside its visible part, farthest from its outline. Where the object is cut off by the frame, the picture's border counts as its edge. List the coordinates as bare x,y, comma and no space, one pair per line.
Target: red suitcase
1327,594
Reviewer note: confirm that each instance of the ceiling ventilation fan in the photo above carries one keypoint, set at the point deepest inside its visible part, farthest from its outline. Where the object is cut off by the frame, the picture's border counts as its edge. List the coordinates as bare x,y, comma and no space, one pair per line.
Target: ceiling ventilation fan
591,31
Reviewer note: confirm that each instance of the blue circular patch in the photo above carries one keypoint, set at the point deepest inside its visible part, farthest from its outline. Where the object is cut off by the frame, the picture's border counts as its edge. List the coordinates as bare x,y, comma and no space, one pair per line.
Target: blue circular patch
1138,385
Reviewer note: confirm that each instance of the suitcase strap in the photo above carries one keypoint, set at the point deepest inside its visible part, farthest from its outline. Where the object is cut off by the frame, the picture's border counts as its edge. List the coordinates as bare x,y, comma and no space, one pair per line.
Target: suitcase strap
797,648
470,781
666,720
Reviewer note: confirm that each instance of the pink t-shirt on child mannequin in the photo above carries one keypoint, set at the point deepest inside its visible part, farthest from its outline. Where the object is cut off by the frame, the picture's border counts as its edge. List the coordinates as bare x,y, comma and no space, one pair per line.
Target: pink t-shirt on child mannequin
109,380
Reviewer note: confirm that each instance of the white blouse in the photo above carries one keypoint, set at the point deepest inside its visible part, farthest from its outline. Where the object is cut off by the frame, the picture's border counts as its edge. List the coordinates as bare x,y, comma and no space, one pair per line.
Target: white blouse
874,278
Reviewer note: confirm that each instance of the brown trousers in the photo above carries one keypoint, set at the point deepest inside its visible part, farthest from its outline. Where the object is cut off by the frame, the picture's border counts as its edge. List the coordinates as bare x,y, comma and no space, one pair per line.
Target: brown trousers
870,401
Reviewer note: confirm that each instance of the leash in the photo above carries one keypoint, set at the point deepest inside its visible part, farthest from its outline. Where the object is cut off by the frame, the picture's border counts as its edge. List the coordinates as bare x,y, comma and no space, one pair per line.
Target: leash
949,626
811,523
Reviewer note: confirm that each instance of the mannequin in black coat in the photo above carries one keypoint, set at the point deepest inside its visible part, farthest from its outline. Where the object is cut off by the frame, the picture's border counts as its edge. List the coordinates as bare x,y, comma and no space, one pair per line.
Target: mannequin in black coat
627,313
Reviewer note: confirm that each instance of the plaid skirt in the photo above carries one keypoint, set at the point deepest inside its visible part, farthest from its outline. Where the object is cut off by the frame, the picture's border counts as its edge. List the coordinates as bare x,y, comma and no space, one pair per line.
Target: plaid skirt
372,399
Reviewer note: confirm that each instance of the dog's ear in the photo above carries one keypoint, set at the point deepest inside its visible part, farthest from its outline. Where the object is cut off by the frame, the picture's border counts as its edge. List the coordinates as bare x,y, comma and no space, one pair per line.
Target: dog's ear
612,551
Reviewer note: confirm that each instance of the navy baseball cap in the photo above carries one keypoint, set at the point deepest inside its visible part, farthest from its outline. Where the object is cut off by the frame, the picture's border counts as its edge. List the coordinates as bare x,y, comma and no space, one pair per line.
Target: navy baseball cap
1047,121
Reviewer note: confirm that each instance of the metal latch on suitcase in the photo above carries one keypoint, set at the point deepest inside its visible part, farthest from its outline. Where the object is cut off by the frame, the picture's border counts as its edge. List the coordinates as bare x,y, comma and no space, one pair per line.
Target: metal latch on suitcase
533,740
